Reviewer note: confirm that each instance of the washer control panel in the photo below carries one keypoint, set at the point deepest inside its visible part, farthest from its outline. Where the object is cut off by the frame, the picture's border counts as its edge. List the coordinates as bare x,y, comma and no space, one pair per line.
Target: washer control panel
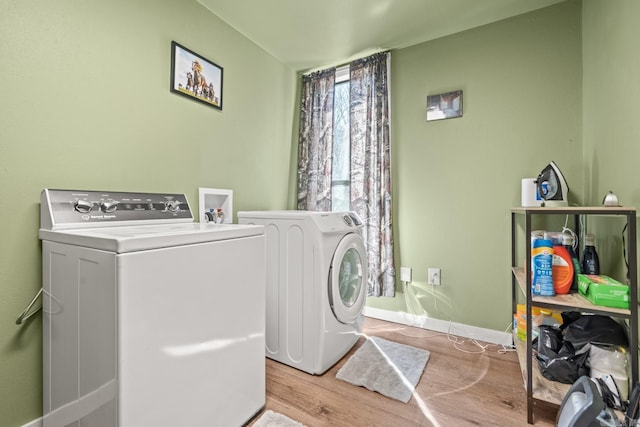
351,219
69,208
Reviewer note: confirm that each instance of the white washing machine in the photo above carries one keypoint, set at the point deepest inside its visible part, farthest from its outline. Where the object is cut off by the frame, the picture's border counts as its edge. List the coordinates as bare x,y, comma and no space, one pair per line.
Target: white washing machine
316,285
149,319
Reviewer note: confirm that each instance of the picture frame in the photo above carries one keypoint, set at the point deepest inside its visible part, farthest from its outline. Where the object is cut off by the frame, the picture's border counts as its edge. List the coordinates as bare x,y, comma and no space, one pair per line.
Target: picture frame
195,77
446,105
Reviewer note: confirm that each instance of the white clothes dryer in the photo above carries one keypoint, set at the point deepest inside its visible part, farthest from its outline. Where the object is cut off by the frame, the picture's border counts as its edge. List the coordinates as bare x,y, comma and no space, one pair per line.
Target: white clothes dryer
316,285
149,319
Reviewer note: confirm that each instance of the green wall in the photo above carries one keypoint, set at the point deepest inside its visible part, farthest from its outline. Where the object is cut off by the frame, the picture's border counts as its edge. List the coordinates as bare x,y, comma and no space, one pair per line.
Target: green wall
85,104
455,180
611,88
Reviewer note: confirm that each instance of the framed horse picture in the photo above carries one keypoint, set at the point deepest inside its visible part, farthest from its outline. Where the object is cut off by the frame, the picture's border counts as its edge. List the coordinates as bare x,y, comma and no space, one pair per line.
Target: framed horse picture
195,77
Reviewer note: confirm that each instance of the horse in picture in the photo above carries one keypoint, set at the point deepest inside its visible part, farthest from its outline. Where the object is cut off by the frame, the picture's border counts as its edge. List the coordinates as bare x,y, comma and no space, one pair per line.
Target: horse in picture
199,81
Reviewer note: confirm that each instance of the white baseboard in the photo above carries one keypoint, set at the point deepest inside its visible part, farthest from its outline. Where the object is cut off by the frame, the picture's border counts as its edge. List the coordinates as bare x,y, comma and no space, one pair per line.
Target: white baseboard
34,423
459,329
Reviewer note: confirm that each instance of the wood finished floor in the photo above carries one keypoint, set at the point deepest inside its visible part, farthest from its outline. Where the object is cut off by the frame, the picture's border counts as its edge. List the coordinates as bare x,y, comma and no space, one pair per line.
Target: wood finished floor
457,388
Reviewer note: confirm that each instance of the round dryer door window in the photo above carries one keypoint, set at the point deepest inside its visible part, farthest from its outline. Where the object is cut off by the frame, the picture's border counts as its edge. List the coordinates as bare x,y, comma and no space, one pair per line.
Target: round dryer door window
348,278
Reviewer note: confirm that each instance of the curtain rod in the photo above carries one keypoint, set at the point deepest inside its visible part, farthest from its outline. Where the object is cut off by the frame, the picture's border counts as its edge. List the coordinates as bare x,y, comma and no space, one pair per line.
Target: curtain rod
343,64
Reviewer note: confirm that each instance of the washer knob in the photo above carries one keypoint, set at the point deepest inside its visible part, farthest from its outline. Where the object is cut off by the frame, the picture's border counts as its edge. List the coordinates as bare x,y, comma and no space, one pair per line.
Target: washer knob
83,206
172,205
109,206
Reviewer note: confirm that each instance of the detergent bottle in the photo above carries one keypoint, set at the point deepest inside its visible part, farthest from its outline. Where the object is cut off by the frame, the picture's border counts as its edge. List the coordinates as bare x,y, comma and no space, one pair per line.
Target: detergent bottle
590,260
567,242
563,270
541,268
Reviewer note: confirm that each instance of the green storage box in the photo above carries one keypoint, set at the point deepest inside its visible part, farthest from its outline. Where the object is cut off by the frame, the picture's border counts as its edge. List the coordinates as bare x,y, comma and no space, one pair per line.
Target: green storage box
603,290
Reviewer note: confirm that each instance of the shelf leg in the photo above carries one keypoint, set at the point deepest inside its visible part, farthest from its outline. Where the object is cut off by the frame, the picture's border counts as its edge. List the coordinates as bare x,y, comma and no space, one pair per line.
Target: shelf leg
529,347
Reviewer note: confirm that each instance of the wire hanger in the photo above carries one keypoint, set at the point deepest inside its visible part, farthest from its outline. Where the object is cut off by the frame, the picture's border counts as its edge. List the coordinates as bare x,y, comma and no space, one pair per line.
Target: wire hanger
28,312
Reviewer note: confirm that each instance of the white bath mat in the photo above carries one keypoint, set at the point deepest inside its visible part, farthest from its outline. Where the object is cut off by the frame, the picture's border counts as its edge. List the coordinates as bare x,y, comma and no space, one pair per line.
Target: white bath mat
386,367
274,419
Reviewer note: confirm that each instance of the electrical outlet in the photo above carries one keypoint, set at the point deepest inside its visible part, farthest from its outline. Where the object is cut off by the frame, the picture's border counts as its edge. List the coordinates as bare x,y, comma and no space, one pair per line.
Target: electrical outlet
434,276
405,274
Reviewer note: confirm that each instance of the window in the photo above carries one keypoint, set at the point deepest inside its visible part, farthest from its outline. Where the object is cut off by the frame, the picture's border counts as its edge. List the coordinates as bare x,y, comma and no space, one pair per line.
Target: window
341,169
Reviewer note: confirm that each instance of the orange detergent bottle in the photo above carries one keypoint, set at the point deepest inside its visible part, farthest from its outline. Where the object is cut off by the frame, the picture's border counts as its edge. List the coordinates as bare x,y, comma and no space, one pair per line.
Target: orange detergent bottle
562,270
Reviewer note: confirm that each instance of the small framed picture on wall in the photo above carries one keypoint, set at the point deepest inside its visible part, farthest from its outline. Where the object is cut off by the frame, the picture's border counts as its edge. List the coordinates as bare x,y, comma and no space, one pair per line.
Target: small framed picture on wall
444,106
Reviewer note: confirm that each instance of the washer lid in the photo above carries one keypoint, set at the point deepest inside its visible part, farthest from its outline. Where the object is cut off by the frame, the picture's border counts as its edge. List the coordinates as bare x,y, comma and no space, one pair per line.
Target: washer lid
144,237
348,279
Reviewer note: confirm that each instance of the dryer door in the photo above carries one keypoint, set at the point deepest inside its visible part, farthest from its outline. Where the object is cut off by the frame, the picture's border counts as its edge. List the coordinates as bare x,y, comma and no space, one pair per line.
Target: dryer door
348,279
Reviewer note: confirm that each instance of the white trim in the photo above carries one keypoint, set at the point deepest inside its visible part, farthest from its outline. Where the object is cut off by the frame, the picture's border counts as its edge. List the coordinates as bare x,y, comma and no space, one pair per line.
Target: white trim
459,329
34,423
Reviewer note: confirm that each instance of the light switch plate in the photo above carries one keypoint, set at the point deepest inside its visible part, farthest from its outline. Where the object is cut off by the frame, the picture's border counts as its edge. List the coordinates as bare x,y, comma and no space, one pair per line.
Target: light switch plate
405,274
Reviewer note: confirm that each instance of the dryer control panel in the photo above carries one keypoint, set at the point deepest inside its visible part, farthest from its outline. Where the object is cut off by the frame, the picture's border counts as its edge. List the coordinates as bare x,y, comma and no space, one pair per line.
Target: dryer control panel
79,209
336,222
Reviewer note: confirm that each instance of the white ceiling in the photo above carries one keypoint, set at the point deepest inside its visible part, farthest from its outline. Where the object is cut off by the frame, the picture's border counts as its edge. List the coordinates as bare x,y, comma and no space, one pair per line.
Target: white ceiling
308,34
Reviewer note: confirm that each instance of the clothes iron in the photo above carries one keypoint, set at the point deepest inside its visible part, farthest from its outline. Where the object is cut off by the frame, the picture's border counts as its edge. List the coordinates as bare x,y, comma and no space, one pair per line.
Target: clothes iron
552,186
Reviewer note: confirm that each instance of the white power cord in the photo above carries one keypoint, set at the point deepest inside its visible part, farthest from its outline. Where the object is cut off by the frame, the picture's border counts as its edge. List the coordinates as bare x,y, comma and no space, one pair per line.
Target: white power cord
455,340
